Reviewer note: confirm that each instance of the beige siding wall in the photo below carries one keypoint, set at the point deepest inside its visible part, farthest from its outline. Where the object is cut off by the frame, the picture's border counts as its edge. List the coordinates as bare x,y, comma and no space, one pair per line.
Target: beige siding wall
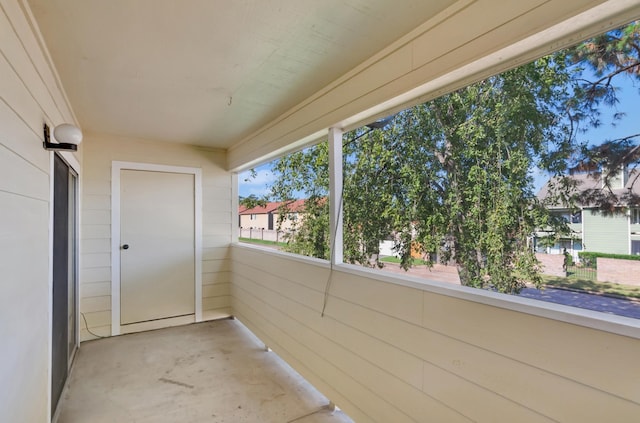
385,352
261,221
217,220
289,222
29,96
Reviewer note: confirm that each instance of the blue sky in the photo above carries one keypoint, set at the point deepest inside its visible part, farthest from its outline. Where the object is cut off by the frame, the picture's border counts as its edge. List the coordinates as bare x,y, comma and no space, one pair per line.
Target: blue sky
630,124
629,103
258,186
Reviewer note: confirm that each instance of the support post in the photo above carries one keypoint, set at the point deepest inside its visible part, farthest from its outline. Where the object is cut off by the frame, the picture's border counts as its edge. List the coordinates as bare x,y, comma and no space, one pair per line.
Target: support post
335,194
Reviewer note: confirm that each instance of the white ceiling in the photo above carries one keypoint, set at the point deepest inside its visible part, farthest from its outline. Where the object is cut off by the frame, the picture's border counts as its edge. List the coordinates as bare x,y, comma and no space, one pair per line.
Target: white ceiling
210,72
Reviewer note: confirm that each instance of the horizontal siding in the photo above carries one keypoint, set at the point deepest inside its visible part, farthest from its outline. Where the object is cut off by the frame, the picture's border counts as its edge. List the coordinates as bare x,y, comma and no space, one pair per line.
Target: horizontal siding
99,153
96,274
33,182
24,302
216,290
220,253
44,84
96,260
29,96
398,400
606,234
562,353
96,202
400,353
286,337
94,325
96,289
21,139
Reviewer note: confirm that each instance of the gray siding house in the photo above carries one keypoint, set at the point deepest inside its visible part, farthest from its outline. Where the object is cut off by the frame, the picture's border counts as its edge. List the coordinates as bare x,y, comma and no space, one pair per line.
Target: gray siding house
592,229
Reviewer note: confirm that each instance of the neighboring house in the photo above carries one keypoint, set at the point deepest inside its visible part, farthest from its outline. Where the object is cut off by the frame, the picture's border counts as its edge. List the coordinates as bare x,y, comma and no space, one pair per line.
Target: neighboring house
258,217
591,229
268,216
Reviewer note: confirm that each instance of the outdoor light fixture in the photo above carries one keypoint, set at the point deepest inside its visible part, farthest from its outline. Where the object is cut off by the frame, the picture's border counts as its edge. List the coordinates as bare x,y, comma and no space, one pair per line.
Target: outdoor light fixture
67,135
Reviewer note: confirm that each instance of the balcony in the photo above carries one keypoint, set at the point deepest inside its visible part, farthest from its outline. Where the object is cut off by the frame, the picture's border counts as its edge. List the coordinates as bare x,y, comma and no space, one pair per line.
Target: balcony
212,371
216,88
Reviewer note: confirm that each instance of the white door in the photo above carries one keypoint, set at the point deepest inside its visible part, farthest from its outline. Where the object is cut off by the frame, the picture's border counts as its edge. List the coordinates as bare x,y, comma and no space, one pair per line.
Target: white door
157,251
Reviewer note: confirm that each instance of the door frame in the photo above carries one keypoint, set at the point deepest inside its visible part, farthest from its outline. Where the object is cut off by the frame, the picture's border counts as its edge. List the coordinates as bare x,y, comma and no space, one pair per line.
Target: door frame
74,165
116,168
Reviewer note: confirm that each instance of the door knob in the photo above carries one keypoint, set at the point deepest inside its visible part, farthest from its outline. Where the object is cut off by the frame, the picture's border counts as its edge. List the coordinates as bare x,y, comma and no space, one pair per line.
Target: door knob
125,247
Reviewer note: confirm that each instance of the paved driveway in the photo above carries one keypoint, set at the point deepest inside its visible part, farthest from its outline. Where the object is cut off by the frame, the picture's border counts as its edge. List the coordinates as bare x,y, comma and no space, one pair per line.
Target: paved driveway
589,301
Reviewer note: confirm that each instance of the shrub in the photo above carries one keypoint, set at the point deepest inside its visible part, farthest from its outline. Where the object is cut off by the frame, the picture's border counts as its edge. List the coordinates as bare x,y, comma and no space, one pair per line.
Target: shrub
590,258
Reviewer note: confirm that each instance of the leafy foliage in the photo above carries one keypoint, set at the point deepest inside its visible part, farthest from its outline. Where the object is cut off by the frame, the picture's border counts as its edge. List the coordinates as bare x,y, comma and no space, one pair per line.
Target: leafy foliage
305,174
590,257
452,176
252,201
607,57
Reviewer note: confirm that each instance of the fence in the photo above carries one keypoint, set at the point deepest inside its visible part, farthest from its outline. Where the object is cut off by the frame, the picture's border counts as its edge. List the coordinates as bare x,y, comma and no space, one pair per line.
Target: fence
580,272
551,264
619,271
264,234
607,270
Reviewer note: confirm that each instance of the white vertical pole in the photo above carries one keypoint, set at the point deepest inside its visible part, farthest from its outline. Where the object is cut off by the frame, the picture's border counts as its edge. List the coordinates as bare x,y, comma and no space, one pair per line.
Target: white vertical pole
335,194
235,230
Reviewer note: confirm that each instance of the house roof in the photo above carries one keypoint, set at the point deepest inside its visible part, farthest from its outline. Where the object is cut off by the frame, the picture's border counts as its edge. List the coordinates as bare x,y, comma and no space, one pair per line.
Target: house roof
271,207
268,208
592,181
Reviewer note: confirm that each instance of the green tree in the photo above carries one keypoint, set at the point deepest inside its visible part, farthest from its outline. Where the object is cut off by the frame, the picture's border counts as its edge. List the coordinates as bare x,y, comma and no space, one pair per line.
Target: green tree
305,174
601,63
252,201
452,176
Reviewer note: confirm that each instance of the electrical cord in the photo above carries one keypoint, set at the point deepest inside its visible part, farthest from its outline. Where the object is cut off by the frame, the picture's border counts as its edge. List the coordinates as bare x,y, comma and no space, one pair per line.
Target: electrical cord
375,125
86,326
333,251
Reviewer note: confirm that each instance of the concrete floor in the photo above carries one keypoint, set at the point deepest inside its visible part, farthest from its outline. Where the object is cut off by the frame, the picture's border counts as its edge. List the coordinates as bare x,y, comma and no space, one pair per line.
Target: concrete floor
207,372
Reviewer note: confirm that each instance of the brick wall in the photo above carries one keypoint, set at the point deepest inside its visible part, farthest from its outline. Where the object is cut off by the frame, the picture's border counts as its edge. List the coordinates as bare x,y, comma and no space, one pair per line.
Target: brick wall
552,264
619,271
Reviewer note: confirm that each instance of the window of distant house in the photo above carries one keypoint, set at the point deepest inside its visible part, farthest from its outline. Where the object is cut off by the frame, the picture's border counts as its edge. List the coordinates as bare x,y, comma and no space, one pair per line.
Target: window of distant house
635,216
253,217
572,217
576,217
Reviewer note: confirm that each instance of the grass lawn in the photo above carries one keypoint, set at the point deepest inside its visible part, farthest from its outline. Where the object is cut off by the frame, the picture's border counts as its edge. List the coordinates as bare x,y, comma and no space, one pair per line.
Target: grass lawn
627,291
262,242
